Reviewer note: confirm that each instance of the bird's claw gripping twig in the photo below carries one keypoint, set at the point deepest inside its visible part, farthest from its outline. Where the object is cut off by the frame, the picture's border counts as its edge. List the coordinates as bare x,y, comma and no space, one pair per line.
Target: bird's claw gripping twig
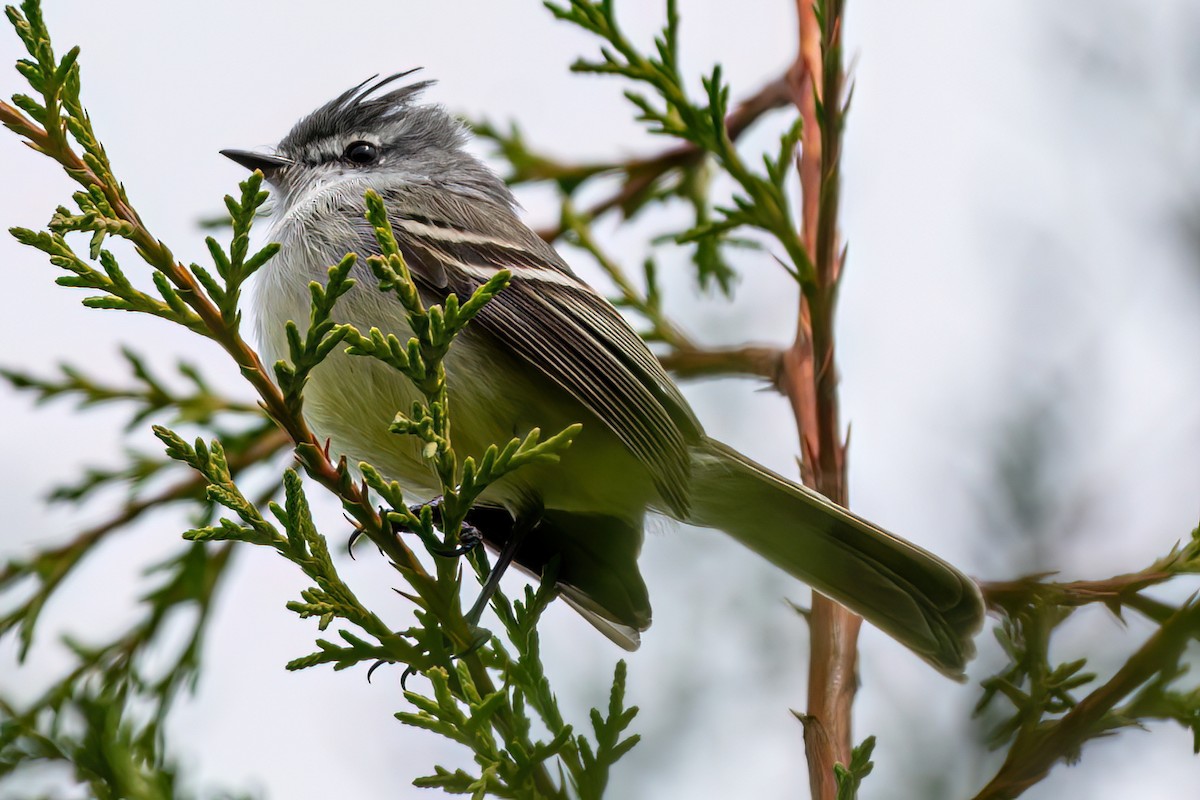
469,537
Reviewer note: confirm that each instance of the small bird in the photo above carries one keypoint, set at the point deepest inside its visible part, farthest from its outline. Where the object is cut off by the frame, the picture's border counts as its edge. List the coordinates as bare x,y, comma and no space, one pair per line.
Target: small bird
547,352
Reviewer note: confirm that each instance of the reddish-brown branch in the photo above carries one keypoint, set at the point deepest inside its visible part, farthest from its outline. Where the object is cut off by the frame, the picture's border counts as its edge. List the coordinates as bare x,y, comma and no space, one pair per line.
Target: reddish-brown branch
764,362
1032,756
803,78
1115,592
811,378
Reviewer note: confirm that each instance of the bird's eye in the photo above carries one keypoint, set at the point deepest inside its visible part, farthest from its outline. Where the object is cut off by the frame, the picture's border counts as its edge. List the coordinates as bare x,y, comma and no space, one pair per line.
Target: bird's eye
361,152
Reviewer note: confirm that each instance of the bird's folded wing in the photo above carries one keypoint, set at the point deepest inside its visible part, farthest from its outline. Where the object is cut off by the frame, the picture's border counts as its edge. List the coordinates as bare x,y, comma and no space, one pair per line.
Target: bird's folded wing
554,322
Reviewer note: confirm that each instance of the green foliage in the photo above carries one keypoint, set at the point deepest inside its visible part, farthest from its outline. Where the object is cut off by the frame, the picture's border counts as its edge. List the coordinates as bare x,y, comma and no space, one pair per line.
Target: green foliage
236,268
300,543
118,757
608,731
420,360
150,395
1041,692
118,292
108,755
669,110
686,172
320,338
1053,709
849,778
250,439
1035,687
52,565
84,720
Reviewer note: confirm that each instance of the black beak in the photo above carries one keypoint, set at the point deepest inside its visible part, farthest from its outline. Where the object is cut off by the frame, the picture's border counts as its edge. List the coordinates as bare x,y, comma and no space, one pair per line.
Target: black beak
259,161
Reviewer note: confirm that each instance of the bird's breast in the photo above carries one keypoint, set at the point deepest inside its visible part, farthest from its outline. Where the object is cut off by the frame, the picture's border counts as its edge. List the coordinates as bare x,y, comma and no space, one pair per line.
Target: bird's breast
352,400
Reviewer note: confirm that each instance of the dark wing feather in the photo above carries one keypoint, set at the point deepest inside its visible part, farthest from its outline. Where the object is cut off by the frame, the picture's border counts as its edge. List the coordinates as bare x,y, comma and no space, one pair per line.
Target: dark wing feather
554,322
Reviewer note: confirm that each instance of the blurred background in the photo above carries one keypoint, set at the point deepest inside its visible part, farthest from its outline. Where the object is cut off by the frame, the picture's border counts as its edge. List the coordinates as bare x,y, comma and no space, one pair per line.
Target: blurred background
1019,343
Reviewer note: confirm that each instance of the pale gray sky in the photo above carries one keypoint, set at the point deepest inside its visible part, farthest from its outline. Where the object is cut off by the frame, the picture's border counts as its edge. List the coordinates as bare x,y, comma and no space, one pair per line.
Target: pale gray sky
1014,182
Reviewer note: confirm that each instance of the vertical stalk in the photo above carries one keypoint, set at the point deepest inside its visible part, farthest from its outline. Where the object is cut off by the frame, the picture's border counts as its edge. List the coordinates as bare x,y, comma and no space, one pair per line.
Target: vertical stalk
810,377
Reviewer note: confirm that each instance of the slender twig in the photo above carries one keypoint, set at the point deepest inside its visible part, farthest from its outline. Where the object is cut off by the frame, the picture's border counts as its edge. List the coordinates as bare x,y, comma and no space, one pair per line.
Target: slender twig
1117,591
64,559
686,358
762,361
641,174
1033,755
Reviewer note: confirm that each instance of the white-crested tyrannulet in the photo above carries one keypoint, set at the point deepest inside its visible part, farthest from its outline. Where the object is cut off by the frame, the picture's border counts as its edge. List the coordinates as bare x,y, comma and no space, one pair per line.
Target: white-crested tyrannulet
548,352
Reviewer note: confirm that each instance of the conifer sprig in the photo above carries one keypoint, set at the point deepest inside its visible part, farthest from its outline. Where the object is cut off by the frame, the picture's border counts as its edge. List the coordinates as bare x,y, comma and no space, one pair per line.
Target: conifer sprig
462,664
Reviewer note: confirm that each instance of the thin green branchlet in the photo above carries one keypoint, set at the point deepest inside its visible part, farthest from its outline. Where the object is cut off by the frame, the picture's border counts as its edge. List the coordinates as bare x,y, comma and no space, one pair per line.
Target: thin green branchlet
763,202
421,361
469,706
116,759
1044,700
300,543
850,778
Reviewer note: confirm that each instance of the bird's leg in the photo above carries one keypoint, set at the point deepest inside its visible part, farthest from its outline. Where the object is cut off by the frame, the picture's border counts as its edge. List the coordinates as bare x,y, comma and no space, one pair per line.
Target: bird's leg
521,526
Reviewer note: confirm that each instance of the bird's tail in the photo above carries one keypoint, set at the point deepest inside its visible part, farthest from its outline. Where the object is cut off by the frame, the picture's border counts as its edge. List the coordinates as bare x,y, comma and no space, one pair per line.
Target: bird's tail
915,597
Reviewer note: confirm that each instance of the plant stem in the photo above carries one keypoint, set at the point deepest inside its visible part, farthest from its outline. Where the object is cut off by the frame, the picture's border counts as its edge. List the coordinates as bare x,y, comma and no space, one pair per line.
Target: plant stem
643,173
1032,756
761,361
810,381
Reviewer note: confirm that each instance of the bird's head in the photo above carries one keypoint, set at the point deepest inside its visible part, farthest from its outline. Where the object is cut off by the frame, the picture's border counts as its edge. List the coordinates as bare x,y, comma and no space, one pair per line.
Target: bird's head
376,136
